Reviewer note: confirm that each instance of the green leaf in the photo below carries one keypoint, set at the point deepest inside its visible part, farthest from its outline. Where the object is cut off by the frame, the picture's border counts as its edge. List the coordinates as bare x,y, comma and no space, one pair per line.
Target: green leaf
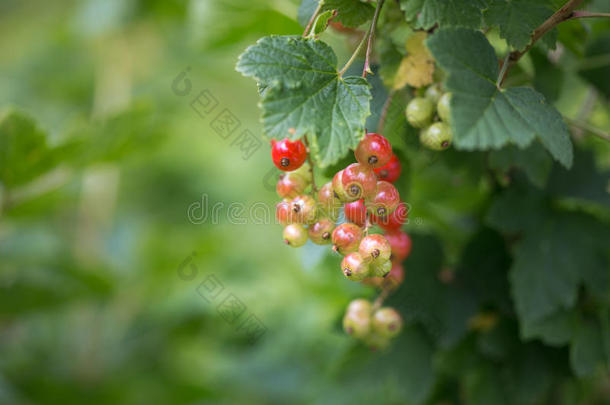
304,95
350,13
24,153
445,13
549,263
533,160
554,330
587,350
321,23
517,19
484,117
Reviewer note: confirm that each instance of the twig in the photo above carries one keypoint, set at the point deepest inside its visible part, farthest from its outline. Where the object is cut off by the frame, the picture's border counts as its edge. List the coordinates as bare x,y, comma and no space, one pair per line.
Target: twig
600,133
381,298
369,46
586,14
313,17
503,71
563,14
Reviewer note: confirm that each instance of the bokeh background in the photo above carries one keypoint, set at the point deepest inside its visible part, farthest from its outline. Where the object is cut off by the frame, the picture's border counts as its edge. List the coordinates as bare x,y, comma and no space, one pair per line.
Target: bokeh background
107,284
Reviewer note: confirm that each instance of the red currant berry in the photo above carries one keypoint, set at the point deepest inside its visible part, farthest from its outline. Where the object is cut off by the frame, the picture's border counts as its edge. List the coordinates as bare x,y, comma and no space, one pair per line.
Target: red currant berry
354,182
295,235
390,172
320,232
393,221
357,324
401,245
328,203
289,185
374,150
355,212
304,209
354,267
346,238
381,269
385,200
375,248
387,322
283,214
360,305
395,277
288,155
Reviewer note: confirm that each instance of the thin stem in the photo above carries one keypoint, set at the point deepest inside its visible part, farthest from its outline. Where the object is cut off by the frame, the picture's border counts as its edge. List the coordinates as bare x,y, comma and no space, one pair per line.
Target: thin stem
314,189
354,55
600,133
563,14
369,46
380,299
384,111
586,14
503,71
313,17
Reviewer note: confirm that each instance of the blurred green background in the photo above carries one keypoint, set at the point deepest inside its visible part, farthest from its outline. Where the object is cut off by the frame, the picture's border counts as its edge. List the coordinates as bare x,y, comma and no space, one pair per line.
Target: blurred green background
107,291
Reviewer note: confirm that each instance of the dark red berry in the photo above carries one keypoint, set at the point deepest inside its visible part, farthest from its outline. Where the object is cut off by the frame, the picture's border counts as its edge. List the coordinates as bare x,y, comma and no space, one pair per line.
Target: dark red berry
374,150
390,172
401,245
385,200
355,212
346,238
393,221
288,155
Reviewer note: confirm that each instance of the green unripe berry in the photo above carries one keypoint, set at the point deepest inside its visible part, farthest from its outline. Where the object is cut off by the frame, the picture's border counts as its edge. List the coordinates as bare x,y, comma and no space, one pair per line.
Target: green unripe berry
295,235
360,305
354,267
357,324
321,232
381,269
419,112
437,136
434,93
444,107
387,322
304,172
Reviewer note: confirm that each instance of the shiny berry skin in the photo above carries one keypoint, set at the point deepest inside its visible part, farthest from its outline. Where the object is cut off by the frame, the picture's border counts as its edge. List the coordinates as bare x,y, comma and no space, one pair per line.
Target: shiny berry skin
390,172
434,93
328,203
401,245
321,232
354,182
288,155
304,209
385,200
283,214
393,221
420,112
290,185
354,267
380,269
373,151
387,322
357,324
437,136
355,212
295,235
375,248
346,238
444,107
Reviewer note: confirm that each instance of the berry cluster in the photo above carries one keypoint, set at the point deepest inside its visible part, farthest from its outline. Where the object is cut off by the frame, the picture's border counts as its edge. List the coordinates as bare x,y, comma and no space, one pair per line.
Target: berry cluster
365,192
422,112
375,326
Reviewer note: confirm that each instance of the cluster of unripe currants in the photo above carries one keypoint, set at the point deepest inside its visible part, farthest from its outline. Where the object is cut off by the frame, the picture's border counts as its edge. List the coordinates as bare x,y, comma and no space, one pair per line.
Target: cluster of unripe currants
365,192
374,326
422,112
